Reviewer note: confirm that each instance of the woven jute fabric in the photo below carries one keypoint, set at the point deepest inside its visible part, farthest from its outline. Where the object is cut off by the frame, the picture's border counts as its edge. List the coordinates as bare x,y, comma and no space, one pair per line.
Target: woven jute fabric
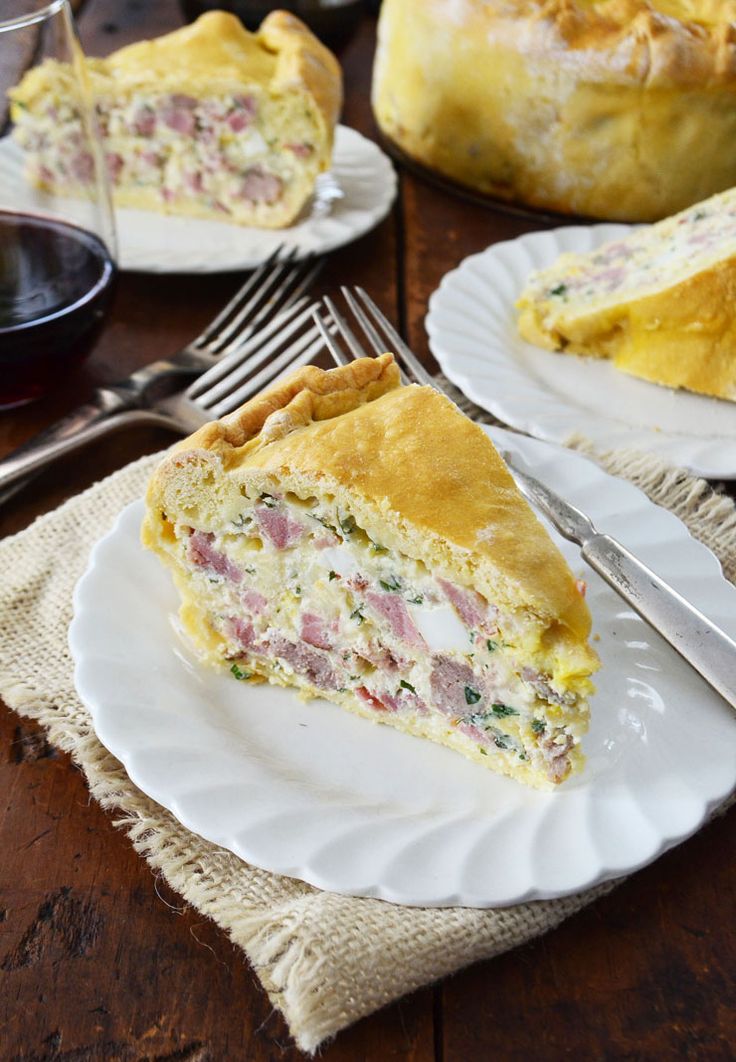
325,960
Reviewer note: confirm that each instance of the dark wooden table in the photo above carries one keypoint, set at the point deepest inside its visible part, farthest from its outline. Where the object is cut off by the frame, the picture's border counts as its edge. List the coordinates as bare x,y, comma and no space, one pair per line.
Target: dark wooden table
99,960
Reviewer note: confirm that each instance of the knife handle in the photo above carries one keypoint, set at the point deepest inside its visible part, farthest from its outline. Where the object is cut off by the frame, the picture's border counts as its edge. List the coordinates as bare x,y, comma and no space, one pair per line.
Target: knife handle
704,645
106,412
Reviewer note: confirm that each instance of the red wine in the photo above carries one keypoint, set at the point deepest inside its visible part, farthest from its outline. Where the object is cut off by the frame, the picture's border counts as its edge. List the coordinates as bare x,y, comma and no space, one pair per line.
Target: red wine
55,288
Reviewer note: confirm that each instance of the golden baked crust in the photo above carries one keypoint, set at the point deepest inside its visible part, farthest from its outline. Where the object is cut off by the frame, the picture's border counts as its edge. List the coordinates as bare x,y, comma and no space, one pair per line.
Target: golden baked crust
444,493
622,109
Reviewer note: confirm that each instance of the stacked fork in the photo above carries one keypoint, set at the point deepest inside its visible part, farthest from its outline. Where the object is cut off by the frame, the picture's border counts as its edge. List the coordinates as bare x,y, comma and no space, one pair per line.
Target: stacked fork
271,297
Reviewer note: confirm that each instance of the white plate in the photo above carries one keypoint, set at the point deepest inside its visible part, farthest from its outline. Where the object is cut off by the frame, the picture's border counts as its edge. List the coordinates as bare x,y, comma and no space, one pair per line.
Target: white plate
472,333
313,792
349,201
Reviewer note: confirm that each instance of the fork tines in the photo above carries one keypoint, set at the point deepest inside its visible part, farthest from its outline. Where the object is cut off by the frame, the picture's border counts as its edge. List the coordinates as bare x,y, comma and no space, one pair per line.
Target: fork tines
380,334
287,342
273,286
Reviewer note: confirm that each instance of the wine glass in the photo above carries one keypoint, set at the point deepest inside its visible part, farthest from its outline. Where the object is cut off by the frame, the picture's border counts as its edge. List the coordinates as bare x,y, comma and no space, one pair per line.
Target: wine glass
57,231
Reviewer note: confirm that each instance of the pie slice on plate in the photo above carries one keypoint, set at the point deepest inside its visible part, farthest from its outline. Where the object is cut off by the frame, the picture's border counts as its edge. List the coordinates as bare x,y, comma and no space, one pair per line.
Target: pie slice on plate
657,302
362,541
209,121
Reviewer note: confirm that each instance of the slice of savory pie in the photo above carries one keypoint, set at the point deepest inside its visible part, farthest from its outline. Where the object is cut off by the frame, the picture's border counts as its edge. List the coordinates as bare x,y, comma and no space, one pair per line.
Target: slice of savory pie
209,121
659,302
363,541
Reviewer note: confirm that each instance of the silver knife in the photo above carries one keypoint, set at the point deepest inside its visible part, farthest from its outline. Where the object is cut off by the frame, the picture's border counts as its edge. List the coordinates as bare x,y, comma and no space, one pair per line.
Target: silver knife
697,639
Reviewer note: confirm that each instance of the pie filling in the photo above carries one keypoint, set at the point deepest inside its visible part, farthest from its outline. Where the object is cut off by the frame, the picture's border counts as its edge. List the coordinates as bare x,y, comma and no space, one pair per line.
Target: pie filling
229,154
648,259
294,590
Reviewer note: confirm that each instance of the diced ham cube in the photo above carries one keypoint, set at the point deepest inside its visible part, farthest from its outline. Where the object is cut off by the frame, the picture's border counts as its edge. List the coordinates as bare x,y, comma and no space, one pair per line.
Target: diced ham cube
449,681
393,609
177,113
471,607
255,603
370,698
201,552
238,121
314,664
242,632
258,186
280,528
317,631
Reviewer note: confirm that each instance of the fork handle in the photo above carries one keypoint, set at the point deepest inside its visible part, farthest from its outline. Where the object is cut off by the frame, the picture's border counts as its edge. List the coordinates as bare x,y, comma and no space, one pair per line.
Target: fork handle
106,412
705,646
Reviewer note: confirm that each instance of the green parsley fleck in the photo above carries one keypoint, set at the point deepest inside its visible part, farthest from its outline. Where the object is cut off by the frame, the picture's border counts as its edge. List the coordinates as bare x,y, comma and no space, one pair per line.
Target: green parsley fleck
418,600
332,575
268,500
390,585
523,756
482,752
560,289
491,645
239,674
406,686
472,695
347,523
357,615
500,742
539,726
501,710
321,520
699,215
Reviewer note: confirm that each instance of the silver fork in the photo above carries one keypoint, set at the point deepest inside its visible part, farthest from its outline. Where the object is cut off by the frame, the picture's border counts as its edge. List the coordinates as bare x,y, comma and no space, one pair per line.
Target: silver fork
279,283
707,648
282,346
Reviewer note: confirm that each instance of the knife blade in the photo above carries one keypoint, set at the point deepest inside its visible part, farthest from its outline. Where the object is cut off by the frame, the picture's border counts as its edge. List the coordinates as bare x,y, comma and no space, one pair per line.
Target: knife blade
701,642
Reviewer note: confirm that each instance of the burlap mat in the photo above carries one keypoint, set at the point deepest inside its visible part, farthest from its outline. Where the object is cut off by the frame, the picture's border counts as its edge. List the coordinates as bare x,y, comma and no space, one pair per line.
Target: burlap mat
324,960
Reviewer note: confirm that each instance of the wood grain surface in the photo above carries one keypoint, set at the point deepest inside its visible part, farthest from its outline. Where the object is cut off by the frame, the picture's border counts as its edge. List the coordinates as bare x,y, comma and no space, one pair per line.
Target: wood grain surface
100,960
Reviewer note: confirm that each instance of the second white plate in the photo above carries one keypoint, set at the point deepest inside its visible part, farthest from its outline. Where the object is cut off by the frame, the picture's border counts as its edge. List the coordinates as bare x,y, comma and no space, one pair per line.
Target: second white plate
313,792
472,333
349,201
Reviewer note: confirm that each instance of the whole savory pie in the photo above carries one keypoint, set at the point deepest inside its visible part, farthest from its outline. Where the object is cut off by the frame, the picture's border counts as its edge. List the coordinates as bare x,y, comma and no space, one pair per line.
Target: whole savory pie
362,541
621,109
210,121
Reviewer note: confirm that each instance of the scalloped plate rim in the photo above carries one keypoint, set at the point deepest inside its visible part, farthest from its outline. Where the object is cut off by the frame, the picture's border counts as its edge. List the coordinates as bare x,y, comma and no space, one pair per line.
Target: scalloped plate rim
676,532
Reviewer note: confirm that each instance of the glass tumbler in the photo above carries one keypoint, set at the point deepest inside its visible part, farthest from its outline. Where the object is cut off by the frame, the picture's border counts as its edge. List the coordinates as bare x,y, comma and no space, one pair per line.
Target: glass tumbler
57,230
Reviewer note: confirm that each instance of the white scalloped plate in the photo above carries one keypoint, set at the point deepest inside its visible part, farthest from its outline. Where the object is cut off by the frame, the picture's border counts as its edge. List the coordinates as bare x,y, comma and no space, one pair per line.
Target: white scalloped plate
472,333
310,791
349,201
